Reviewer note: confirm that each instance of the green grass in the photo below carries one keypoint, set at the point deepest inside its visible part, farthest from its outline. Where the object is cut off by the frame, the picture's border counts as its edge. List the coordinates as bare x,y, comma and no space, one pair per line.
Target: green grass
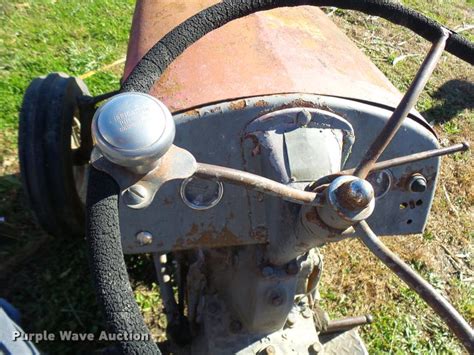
38,37
48,279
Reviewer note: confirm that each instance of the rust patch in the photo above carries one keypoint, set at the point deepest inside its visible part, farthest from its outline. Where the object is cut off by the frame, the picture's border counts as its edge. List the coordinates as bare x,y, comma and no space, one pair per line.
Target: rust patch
215,109
212,239
208,238
260,234
192,113
238,105
312,279
312,216
256,144
402,182
261,103
299,103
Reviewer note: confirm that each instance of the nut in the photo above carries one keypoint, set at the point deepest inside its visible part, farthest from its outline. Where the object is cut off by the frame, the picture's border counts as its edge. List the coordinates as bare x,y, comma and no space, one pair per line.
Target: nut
417,183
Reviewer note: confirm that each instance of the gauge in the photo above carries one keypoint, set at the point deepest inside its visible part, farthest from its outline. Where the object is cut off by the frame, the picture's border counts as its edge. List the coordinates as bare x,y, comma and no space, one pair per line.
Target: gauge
381,181
201,194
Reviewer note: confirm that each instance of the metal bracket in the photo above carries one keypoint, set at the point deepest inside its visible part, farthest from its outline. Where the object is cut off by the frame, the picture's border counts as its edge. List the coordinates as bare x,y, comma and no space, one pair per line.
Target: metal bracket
138,190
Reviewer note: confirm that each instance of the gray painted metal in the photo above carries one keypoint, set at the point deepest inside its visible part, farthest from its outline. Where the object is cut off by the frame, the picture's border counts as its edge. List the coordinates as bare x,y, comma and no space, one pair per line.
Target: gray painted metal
138,190
218,337
218,134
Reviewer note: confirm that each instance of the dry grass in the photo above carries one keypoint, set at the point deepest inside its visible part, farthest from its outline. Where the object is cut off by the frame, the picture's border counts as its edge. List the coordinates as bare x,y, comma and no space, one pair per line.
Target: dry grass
354,281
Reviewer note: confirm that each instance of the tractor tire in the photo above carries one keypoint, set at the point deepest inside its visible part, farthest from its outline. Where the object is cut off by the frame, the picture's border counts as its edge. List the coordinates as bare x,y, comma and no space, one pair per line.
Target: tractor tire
48,137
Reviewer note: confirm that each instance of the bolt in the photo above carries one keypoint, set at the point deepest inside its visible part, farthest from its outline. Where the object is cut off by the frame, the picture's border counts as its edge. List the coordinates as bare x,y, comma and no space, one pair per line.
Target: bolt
269,350
135,195
417,183
144,238
267,271
307,312
303,118
276,298
291,320
292,268
316,348
235,326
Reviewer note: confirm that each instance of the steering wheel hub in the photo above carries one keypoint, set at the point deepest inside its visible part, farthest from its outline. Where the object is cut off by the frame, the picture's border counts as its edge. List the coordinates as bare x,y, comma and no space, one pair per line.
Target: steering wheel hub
349,200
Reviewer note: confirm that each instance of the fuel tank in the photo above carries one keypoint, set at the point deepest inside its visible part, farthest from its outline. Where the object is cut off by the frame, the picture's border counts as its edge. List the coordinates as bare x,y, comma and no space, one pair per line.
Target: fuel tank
286,50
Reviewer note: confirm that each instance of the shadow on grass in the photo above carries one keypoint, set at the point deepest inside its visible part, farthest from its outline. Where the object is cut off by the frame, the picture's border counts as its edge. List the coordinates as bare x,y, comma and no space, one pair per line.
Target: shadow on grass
456,96
48,279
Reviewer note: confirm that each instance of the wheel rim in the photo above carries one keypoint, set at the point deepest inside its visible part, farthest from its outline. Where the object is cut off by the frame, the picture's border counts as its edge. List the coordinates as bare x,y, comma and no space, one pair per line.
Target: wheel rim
79,172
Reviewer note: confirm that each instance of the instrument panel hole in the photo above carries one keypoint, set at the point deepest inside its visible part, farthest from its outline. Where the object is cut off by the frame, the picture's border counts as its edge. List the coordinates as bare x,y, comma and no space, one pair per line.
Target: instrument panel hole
410,221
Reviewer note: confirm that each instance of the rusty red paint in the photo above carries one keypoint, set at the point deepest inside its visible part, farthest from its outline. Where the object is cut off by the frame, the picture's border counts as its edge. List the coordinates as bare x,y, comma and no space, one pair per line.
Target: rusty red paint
207,238
238,105
297,50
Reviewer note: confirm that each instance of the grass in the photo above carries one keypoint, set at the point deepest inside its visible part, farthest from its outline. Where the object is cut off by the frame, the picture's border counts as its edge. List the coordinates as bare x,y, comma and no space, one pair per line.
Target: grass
47,279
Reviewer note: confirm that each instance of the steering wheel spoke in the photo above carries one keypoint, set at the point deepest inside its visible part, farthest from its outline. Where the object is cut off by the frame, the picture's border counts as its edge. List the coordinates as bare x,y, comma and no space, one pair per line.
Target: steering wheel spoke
401,112
438,303
390,163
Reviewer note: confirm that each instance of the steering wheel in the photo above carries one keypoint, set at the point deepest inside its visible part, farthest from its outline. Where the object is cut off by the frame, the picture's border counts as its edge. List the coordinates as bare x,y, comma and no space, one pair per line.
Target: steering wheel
103,233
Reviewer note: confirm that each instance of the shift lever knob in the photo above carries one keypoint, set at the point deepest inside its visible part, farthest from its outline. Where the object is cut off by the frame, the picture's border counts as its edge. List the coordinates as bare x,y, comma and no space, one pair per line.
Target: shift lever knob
133,130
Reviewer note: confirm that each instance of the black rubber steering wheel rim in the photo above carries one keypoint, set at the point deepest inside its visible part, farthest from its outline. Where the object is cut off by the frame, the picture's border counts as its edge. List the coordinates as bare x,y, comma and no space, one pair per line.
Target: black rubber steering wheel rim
107,263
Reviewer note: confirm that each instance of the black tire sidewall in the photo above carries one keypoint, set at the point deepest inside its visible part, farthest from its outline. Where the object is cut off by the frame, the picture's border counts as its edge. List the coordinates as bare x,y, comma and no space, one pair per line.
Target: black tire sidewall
46,118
